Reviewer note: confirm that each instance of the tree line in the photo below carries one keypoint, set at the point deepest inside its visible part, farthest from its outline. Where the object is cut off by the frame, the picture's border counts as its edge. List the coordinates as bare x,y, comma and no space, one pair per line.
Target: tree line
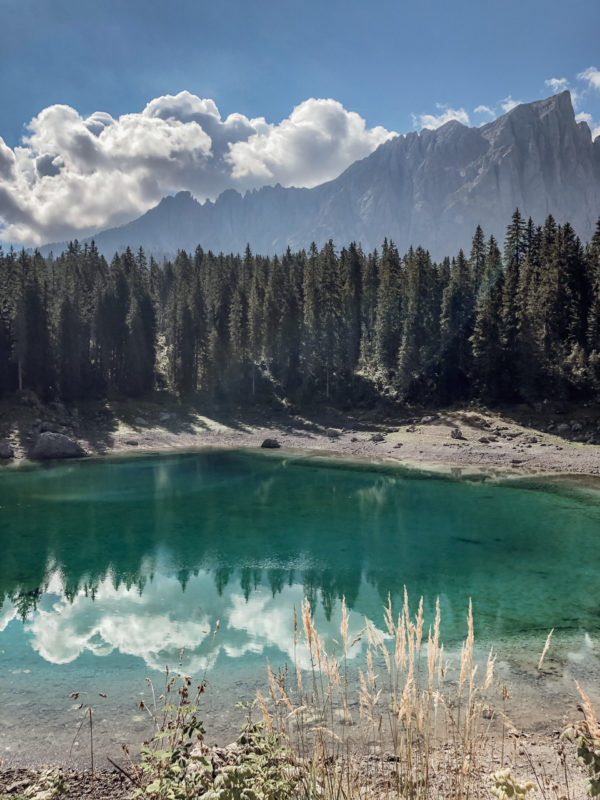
316,325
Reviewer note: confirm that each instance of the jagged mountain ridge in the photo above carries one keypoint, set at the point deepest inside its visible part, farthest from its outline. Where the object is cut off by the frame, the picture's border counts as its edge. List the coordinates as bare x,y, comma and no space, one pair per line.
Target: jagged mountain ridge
430,188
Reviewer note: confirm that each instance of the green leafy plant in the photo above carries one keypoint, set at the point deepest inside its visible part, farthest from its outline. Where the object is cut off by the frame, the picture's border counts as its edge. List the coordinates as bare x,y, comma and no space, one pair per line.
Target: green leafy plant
507,788
263,768
50,785
172,766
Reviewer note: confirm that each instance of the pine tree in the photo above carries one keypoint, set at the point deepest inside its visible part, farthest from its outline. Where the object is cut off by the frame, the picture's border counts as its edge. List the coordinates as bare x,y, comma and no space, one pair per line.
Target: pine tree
370,285
485,339
420,335
388,315
514,254
456,328
477,259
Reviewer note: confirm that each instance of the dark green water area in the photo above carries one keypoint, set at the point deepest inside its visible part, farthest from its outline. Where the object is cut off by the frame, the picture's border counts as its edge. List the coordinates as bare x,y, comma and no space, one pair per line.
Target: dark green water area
109,567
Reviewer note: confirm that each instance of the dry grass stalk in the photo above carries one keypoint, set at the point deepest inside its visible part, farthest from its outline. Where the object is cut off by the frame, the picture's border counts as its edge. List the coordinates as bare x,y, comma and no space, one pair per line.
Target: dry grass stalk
405,708
545,650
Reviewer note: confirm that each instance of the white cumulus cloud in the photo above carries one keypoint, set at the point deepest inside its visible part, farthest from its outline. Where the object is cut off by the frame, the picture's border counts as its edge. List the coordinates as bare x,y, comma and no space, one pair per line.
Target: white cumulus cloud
437,120
583,116
73,175
484,110
508,104
557,84
317,141
592,76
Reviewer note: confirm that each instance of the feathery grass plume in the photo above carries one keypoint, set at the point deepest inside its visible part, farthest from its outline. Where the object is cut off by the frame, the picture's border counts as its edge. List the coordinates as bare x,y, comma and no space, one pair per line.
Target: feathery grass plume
489,672
590,715
433,644
344,625
545,650
419,626
267,718
405,705
387,613
272,684
400,654
307,623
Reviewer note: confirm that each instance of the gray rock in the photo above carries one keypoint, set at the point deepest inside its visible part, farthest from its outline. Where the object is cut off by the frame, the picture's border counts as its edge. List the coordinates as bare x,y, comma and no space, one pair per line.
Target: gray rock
270,444
564,427
56,445
132,442
140,421
378,437
6,450
484,440
427,420
164,416
576,427
456,433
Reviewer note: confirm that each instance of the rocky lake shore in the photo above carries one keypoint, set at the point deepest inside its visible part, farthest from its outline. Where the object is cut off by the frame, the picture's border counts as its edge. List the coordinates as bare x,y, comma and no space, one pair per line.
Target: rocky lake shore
553,438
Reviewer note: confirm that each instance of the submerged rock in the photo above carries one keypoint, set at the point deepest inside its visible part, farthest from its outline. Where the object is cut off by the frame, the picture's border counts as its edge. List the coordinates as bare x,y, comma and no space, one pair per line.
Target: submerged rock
56,445
270,444
6,450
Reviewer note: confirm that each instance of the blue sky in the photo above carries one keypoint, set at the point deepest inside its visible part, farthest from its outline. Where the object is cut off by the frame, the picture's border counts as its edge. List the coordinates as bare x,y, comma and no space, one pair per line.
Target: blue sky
389,62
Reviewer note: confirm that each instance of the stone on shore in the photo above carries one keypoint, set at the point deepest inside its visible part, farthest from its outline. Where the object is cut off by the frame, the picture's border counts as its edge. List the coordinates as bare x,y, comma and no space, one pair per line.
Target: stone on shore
56,445
270,444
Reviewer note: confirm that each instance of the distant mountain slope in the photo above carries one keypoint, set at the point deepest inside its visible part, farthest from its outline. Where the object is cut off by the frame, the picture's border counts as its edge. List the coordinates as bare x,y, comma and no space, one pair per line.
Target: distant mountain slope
429,188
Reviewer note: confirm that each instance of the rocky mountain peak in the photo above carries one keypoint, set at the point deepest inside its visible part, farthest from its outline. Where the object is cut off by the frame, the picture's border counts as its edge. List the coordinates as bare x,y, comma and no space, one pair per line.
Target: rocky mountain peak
431,188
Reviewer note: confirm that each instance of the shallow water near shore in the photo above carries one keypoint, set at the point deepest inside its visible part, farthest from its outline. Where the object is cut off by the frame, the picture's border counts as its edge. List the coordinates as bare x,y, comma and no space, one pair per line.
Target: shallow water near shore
109,567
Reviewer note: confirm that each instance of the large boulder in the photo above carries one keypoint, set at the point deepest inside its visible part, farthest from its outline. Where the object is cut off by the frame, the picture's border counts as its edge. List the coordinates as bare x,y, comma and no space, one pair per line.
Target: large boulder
56,445
6,450
270,444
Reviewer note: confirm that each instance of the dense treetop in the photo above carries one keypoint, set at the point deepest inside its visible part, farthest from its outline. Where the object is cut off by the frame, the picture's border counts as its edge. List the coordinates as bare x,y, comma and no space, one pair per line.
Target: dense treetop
520,324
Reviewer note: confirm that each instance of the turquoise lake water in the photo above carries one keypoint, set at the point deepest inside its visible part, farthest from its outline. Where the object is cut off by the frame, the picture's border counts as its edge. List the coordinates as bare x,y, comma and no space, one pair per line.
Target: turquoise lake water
108,568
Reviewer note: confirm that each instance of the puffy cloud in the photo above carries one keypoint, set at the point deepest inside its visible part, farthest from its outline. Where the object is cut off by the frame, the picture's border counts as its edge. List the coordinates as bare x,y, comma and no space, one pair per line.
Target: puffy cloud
596,132
484,110
317,142
508,104
592,76
7,161
447,114
557,84
583,116
157,623
74,175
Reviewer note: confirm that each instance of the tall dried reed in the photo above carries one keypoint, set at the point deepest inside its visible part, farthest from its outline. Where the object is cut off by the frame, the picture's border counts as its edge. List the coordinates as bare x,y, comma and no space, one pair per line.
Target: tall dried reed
401,703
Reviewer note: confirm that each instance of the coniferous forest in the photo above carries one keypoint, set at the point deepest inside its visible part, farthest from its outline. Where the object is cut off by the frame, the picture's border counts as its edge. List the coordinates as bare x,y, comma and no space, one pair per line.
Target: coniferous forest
517,321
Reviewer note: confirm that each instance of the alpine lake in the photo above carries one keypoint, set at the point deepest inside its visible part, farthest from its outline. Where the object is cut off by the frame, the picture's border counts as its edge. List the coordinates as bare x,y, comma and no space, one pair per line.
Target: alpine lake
111,567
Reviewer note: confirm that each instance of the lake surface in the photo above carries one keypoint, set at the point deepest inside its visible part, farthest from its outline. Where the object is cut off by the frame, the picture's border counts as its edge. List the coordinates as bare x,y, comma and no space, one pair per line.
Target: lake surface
108,568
